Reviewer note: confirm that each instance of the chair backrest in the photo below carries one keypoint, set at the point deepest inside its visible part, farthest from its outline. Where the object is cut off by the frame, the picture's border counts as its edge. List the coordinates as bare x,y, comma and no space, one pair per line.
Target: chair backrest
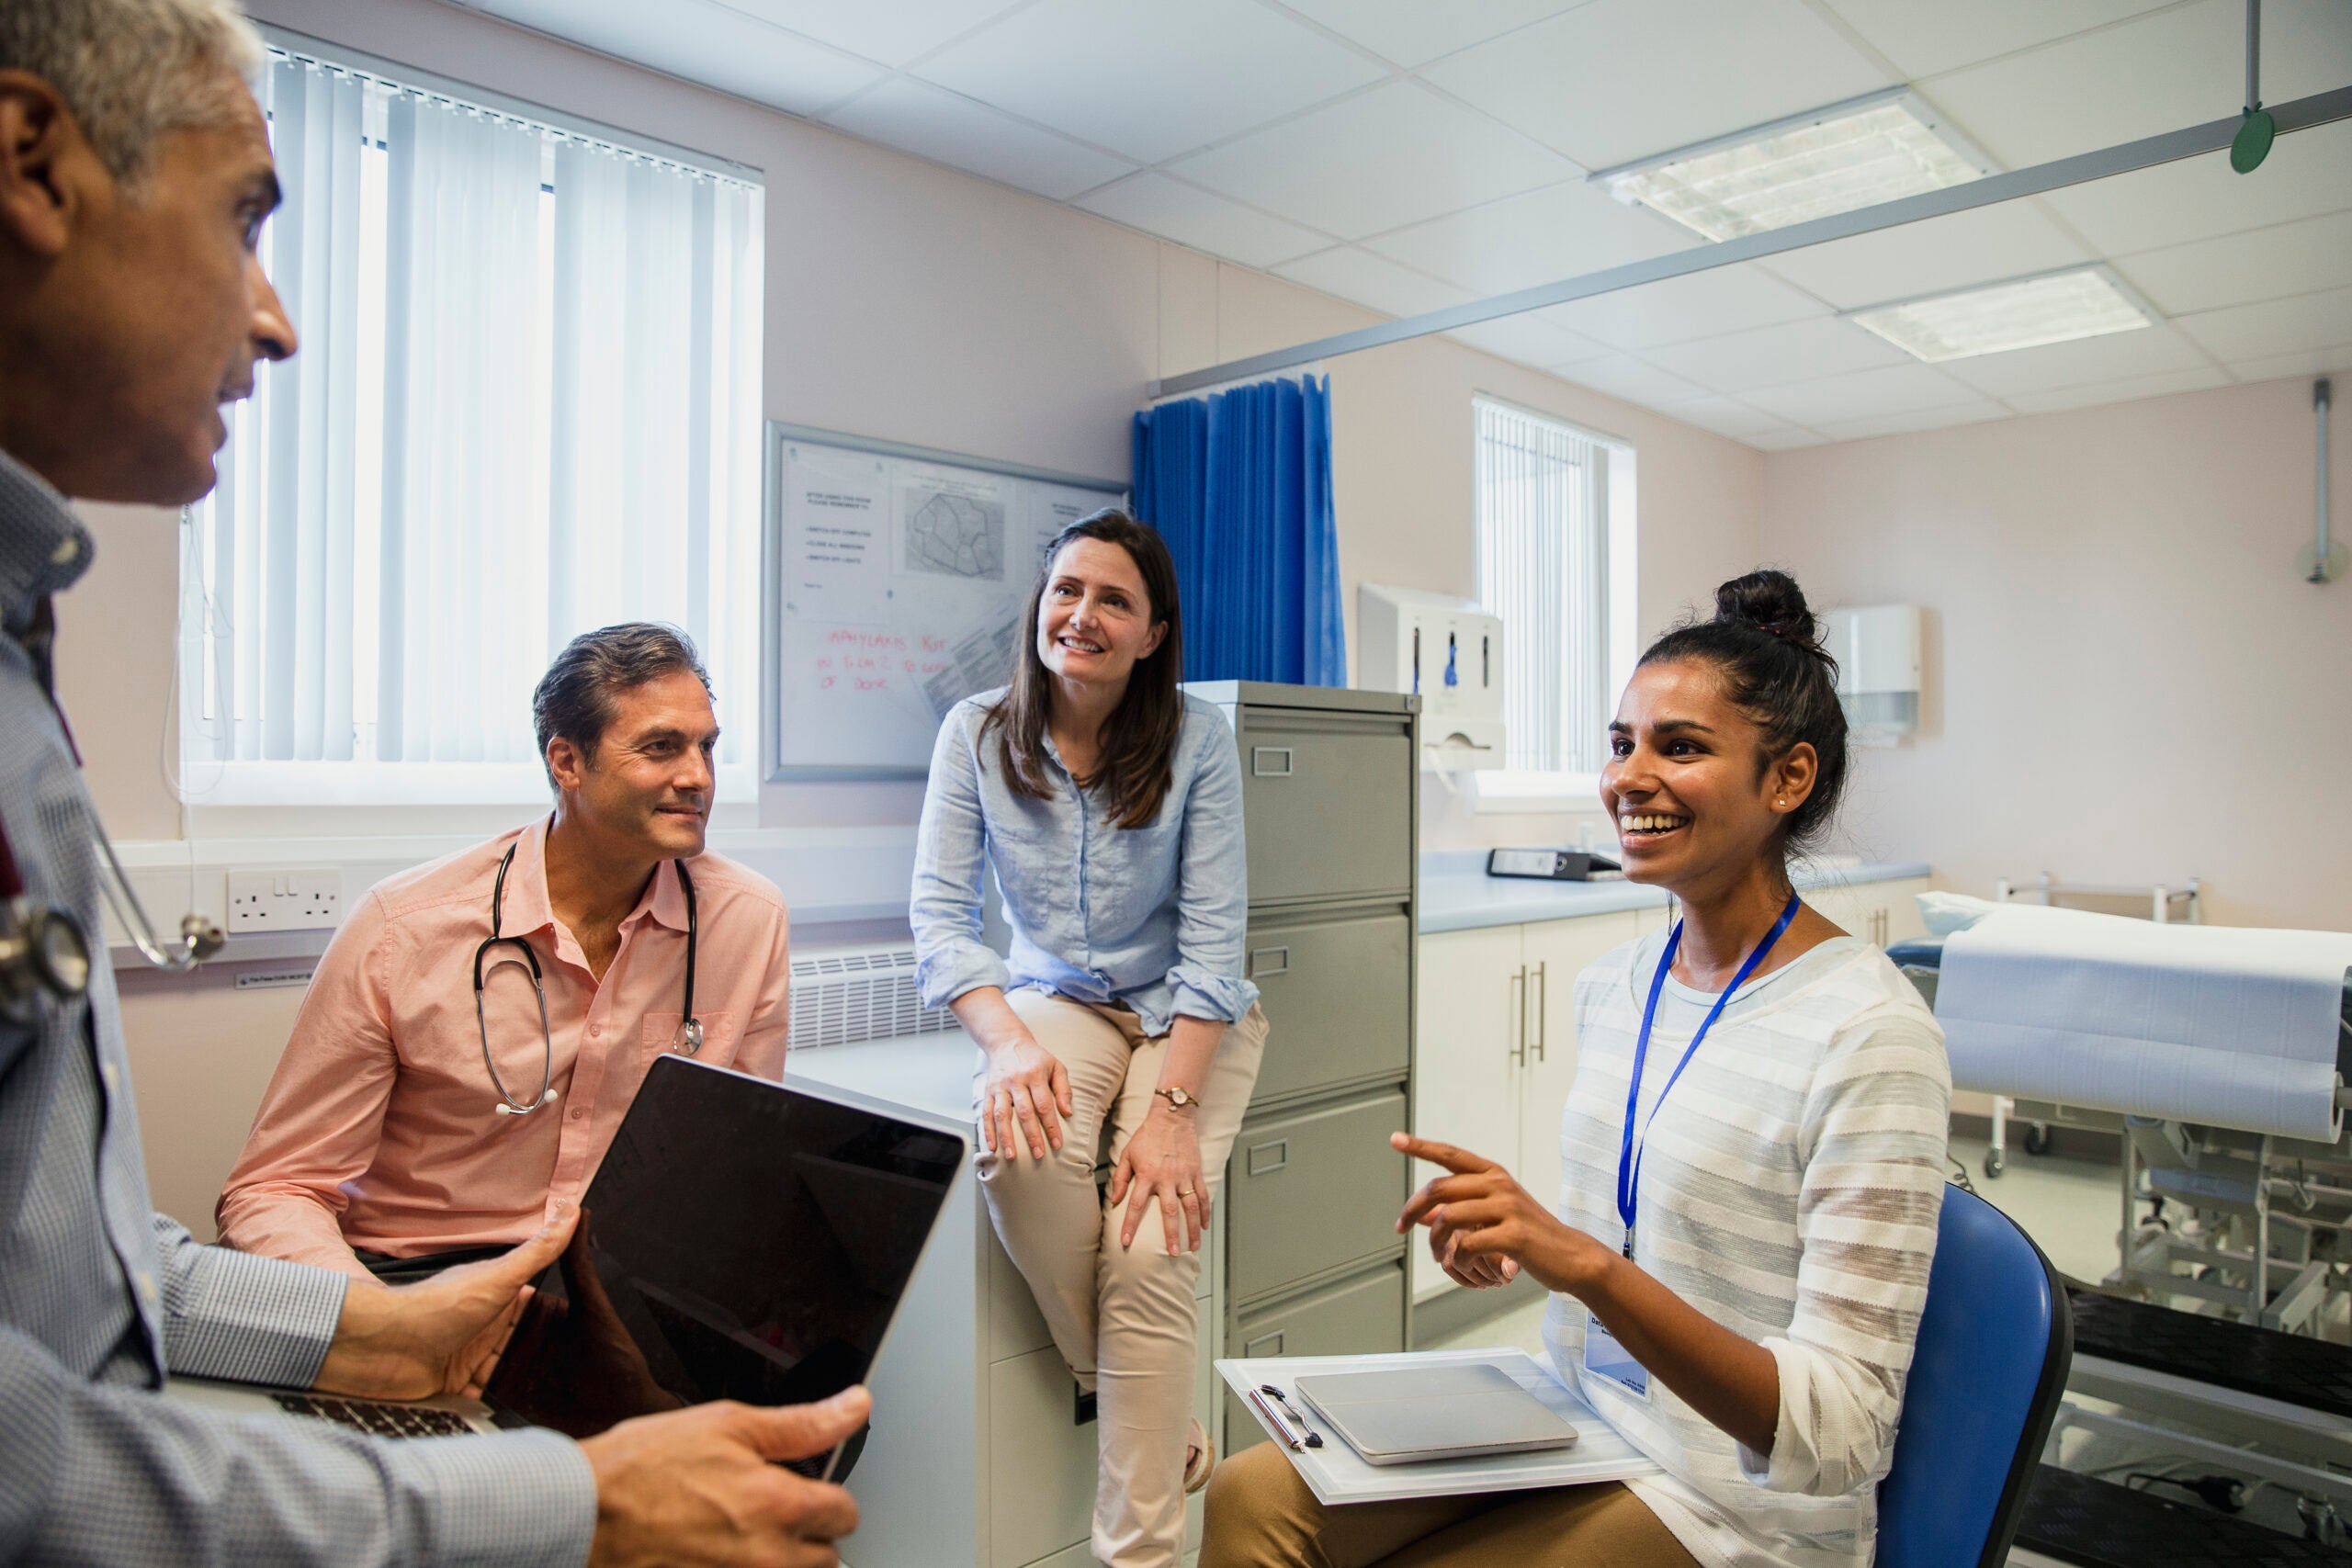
1986,1377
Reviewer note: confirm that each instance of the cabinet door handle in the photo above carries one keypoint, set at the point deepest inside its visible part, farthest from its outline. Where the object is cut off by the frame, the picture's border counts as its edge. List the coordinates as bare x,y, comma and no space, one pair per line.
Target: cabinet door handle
1270,761
1267,961
1267,1159
1543,1007
1519,1003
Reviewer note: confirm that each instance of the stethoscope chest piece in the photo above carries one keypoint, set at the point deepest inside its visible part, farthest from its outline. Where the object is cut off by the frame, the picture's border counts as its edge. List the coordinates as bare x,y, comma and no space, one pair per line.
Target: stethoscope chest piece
689,1037
43,953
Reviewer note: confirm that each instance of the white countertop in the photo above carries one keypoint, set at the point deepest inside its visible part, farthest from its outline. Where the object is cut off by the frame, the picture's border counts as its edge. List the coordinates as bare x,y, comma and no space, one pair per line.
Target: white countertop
926,1072
1457,893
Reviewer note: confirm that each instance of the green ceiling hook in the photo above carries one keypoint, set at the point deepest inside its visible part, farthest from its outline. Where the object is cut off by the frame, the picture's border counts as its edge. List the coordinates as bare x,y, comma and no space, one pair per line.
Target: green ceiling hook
2252,143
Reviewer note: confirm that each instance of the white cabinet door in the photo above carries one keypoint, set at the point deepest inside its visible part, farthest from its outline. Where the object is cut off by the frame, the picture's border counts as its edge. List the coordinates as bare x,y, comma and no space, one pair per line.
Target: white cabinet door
1468,1015
1901,901
1556,953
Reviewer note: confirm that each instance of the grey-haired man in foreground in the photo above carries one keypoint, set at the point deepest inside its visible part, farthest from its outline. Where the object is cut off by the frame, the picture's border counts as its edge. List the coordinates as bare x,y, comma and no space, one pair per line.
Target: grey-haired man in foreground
135,175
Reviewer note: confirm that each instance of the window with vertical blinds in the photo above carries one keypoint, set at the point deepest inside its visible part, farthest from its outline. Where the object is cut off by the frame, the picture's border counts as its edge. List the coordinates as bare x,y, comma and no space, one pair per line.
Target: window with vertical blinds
1543,517
526,404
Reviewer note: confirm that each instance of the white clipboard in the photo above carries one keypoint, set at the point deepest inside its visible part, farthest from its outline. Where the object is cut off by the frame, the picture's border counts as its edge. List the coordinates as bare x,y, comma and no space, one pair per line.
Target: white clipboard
1337,1474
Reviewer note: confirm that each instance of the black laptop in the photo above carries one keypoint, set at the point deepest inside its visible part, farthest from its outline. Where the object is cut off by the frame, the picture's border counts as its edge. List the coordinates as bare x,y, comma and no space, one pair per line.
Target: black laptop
743,1239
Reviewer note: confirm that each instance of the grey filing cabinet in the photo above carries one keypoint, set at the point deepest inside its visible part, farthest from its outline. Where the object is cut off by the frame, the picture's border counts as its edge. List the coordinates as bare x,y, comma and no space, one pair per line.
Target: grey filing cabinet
1331,783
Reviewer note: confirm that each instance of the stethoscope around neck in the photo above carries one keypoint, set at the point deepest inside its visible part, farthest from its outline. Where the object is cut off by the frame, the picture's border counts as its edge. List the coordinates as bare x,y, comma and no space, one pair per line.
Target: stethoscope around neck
45,952
686,1041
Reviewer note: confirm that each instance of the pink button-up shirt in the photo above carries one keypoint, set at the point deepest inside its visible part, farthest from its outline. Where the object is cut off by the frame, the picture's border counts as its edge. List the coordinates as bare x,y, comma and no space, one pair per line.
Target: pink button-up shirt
380,1129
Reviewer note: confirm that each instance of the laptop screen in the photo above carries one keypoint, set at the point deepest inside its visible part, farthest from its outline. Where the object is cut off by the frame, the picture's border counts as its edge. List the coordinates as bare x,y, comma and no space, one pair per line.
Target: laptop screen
742,1240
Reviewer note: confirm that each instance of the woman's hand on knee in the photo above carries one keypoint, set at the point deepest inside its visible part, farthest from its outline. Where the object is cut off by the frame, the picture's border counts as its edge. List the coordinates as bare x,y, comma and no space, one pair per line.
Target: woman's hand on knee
1163,1160
1023,1098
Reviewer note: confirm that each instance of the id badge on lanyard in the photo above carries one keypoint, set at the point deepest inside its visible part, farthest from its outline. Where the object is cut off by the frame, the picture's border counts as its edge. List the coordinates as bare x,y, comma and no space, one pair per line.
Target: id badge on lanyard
1604,1355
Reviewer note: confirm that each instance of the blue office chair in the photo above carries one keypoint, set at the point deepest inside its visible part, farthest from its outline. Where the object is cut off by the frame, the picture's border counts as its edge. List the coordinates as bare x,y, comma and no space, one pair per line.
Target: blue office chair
1995,1342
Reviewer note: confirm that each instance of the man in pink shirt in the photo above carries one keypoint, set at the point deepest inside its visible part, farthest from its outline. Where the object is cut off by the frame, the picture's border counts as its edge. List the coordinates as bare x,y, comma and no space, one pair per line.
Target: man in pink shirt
401,1130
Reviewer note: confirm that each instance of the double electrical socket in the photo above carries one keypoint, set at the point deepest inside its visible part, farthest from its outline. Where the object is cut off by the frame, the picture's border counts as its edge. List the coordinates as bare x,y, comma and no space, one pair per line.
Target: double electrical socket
301,899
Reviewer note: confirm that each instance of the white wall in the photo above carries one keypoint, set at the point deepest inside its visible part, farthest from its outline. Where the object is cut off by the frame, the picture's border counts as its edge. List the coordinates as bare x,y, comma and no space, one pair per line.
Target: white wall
2126,680
904,301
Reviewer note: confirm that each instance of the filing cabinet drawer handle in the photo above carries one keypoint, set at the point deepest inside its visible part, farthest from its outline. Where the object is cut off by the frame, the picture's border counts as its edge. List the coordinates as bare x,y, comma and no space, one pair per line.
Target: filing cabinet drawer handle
1267,1159
1267,961
1269,762
1265,1345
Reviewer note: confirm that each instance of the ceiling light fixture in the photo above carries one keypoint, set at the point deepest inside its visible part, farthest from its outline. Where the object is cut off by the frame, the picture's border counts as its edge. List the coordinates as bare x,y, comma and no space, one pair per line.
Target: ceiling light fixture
2023,313
1852,154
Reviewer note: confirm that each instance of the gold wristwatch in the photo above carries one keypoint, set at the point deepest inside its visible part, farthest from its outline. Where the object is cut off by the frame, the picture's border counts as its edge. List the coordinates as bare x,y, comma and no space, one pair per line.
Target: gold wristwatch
1177,1096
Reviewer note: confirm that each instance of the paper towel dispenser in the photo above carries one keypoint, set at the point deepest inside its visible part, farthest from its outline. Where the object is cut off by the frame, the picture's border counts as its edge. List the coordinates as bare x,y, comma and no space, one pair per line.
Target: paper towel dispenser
1877,650
1448,651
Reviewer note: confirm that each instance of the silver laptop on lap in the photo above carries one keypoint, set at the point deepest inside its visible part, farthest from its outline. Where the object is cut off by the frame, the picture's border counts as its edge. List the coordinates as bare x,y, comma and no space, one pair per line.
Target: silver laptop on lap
743,1239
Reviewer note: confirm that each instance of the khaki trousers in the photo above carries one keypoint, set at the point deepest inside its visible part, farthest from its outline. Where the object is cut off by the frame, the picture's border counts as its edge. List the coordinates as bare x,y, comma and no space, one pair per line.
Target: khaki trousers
1260,1515
1122,1317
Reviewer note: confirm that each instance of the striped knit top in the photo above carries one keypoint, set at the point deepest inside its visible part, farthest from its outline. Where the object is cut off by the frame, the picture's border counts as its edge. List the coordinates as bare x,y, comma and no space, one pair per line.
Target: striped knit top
1788,1190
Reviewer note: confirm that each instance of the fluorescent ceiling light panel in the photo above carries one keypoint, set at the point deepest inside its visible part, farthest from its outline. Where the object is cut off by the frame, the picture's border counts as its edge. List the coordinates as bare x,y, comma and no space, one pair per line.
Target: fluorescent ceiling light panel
2024,313
1833,159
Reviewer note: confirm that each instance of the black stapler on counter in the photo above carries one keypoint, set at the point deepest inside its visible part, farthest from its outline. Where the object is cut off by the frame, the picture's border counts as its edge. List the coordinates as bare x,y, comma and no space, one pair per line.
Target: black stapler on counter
1553,865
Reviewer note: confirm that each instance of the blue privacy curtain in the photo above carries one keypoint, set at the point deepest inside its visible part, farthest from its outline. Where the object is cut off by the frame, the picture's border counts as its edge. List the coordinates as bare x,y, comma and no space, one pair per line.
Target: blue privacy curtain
1239,484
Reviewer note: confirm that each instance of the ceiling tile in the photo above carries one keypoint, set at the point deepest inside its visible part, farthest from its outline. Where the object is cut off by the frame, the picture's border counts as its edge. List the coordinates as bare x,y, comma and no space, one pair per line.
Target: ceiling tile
1188,216
1978,413
2144,351
1771,357
1545,236
2122,391
1784,440
1860,394
2333,361
1531,340
1980,246
1373,281
892,34
1377,161
2275,326
2157,72
1926,39
1704,304
1618,80
1729,416
2307,174
702,41
2238,269
932,122
1149,78
1623,376
1413,32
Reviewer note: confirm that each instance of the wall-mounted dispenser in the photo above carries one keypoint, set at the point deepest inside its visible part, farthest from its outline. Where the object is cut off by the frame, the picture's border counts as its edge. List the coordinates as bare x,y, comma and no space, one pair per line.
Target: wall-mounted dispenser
1877,650
1448,651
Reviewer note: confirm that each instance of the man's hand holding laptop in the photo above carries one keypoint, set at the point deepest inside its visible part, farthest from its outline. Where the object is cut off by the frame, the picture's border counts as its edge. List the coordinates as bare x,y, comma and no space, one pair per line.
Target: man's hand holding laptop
692,1485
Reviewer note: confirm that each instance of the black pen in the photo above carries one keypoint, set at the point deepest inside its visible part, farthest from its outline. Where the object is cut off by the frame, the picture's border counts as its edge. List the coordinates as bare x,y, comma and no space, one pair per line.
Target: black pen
1314,1437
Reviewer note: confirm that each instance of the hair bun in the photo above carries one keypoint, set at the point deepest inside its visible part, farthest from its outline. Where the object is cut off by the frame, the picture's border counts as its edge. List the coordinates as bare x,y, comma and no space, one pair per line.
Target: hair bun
1771,602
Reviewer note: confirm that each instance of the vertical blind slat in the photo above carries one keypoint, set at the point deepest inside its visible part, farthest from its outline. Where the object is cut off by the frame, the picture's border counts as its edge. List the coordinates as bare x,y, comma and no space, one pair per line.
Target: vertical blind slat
1542,568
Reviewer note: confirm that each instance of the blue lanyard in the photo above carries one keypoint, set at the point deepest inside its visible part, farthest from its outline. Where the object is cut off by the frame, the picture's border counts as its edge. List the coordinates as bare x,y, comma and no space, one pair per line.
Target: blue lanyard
1629,1157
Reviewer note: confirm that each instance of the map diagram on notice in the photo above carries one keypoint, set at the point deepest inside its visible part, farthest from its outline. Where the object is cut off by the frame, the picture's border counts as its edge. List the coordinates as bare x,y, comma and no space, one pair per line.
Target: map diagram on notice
955,535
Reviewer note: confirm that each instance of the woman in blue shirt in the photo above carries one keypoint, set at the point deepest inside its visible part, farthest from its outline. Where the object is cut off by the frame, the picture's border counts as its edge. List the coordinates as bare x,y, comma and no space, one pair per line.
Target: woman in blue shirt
1109,805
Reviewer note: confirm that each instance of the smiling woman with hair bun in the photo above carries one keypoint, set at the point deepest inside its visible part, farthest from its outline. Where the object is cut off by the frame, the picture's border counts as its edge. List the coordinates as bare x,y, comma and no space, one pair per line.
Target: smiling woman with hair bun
1752,1164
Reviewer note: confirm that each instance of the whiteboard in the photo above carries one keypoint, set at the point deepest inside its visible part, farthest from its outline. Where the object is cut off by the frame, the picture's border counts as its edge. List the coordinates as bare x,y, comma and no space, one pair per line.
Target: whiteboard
896,581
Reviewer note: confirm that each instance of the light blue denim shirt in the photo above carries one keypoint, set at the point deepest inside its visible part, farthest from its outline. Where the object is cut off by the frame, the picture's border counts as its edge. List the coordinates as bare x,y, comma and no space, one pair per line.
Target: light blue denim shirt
1152,916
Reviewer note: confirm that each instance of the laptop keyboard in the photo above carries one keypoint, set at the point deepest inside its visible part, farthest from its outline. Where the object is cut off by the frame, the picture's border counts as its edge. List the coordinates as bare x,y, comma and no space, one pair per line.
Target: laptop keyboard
377,1420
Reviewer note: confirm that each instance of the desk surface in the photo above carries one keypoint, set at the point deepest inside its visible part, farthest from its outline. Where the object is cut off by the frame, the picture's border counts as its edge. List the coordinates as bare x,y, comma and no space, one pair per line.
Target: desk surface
1457,893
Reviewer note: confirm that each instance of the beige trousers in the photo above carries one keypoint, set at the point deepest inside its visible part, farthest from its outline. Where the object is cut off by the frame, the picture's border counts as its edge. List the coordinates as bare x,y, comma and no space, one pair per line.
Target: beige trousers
1261,1515
1122,1317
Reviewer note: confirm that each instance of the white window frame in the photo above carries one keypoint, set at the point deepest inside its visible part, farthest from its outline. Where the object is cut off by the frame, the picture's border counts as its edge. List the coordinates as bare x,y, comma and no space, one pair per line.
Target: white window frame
339,799
1517,791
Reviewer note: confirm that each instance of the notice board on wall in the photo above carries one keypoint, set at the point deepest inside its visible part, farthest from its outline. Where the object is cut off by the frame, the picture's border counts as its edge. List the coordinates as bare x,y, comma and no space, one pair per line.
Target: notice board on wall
896,582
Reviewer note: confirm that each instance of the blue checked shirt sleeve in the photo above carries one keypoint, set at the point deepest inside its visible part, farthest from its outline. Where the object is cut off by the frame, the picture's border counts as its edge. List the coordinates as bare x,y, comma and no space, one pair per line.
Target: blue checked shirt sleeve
102,1473
950,847
242,1317
1212,888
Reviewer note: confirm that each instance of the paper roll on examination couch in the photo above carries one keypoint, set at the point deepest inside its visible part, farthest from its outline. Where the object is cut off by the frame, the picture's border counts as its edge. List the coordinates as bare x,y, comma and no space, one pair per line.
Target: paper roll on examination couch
2197,1388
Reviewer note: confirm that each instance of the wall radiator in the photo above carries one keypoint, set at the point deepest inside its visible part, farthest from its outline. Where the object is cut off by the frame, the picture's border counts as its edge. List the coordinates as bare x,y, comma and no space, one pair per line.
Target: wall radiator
844,995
